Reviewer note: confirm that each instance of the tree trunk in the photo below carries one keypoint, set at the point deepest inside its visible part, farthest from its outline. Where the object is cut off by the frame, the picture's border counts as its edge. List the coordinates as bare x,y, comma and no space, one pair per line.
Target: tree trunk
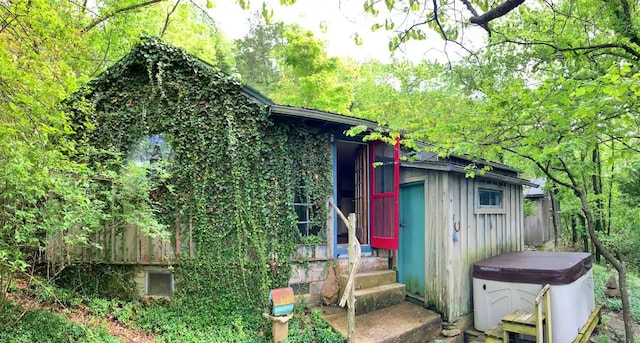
613,151
574,230
585,237
555,217
617,264
596,182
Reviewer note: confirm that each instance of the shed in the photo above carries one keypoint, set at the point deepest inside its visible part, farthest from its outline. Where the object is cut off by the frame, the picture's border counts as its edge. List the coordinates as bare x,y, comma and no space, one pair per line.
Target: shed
542,223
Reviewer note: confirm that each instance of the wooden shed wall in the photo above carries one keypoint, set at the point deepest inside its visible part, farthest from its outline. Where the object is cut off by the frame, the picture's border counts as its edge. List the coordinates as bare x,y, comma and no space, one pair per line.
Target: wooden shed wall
128,245
538,227
450,203
481,236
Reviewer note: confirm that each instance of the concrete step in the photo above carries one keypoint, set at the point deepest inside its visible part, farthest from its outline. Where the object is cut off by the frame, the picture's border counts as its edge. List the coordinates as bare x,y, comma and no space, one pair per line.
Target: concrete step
375,298
404,322
370,279
367,264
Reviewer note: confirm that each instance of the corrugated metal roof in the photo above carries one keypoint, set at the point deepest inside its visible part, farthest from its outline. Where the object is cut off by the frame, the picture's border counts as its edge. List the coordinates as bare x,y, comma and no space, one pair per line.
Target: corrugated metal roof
538,191
306,113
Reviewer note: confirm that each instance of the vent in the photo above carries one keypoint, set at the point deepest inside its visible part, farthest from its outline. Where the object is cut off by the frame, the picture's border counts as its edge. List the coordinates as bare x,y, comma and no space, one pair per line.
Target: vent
159,283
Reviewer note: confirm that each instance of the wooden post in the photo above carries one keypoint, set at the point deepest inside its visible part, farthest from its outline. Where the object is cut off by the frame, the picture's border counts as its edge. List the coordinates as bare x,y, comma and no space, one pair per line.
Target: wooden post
355,251
351,301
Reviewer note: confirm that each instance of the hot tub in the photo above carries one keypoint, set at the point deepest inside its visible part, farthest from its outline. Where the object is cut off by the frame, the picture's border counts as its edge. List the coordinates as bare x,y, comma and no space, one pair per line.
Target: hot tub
509,282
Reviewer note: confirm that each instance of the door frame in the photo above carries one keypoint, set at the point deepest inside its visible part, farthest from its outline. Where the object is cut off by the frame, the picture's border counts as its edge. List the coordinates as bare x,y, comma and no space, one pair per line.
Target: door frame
340,250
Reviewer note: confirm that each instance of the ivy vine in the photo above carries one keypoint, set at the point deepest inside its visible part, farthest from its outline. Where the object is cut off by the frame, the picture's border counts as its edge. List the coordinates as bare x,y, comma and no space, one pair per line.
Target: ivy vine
232,177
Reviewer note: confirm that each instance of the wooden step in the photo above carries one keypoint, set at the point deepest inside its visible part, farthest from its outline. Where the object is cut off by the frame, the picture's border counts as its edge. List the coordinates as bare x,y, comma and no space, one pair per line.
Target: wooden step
495,334
520,322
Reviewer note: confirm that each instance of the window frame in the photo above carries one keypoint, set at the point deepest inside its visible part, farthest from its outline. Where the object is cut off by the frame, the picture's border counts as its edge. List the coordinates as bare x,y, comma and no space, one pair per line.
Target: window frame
489,209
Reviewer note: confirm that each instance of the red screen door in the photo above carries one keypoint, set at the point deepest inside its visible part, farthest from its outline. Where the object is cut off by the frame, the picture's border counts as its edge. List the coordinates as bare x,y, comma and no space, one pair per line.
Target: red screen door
385,185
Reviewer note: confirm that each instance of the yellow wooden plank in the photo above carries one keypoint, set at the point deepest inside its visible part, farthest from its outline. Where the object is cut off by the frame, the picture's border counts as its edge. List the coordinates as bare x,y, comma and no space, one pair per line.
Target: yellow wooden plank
495,332
521,317
589,326
517,328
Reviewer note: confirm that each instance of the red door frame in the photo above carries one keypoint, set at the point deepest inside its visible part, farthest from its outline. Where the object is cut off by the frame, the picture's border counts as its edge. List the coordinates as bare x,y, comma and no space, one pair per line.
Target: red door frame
378,237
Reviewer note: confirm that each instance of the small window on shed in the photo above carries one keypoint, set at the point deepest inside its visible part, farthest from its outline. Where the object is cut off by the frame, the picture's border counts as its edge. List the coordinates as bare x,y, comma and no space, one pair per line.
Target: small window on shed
489,198
159,283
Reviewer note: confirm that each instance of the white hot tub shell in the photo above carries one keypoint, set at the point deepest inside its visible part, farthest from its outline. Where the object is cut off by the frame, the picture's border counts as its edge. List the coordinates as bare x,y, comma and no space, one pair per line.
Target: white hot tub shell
509,282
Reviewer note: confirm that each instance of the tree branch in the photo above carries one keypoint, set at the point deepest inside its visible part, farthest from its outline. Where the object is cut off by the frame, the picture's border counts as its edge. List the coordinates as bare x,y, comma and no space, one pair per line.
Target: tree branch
166,21
587,48
475,14
544,169
120,10
435,17
497,12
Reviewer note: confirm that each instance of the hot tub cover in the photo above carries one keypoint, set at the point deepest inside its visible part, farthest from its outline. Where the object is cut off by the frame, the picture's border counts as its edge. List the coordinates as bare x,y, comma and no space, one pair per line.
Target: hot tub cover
537,267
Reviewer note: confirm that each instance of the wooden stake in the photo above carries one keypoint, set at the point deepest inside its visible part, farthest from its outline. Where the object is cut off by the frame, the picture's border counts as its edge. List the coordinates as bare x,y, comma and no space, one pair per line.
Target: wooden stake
353,260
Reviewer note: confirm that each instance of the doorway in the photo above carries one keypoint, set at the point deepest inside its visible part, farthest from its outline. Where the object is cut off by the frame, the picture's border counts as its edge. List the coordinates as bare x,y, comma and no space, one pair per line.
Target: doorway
352,191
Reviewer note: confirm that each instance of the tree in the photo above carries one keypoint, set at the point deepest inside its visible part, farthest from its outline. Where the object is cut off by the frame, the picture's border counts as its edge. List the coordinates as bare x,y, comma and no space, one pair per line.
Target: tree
256,59
290,65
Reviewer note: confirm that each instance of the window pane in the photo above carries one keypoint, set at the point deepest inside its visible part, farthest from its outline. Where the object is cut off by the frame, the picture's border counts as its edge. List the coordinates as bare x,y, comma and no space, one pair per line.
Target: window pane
150,149
489,198
384,173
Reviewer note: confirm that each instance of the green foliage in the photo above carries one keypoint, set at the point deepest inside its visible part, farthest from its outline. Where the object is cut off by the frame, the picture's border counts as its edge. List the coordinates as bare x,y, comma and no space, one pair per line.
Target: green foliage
307,325
101,281
600,277
529,208
231,180
43,326
290,65
172,325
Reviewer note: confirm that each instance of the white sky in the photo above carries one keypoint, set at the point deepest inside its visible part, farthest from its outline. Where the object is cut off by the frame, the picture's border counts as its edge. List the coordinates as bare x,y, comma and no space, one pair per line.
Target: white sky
342,19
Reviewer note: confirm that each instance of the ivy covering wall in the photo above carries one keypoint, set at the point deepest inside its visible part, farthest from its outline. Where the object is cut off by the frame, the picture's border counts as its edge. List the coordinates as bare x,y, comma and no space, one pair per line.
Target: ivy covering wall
231,178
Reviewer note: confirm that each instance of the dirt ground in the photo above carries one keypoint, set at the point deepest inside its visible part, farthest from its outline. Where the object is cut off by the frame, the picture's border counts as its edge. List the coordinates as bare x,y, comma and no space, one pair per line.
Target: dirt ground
612,326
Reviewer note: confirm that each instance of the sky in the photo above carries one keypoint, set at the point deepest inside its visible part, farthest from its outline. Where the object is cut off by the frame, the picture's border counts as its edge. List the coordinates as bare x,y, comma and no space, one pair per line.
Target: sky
342,20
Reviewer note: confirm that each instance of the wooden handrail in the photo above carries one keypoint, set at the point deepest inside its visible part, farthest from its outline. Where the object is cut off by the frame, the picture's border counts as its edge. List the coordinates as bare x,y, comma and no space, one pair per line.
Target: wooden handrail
545,294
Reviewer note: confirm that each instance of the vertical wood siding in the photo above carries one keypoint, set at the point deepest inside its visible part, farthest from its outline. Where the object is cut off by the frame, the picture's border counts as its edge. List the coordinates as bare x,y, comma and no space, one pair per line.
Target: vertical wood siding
480,236
450,201
128,245
539,225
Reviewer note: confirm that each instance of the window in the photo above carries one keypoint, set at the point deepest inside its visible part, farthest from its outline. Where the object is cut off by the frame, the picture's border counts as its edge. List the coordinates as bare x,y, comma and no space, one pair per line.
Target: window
159,283
304,210
150,149
489,199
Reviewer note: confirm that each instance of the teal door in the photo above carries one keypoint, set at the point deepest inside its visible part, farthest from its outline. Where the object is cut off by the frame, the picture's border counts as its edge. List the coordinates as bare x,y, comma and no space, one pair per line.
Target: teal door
411,249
